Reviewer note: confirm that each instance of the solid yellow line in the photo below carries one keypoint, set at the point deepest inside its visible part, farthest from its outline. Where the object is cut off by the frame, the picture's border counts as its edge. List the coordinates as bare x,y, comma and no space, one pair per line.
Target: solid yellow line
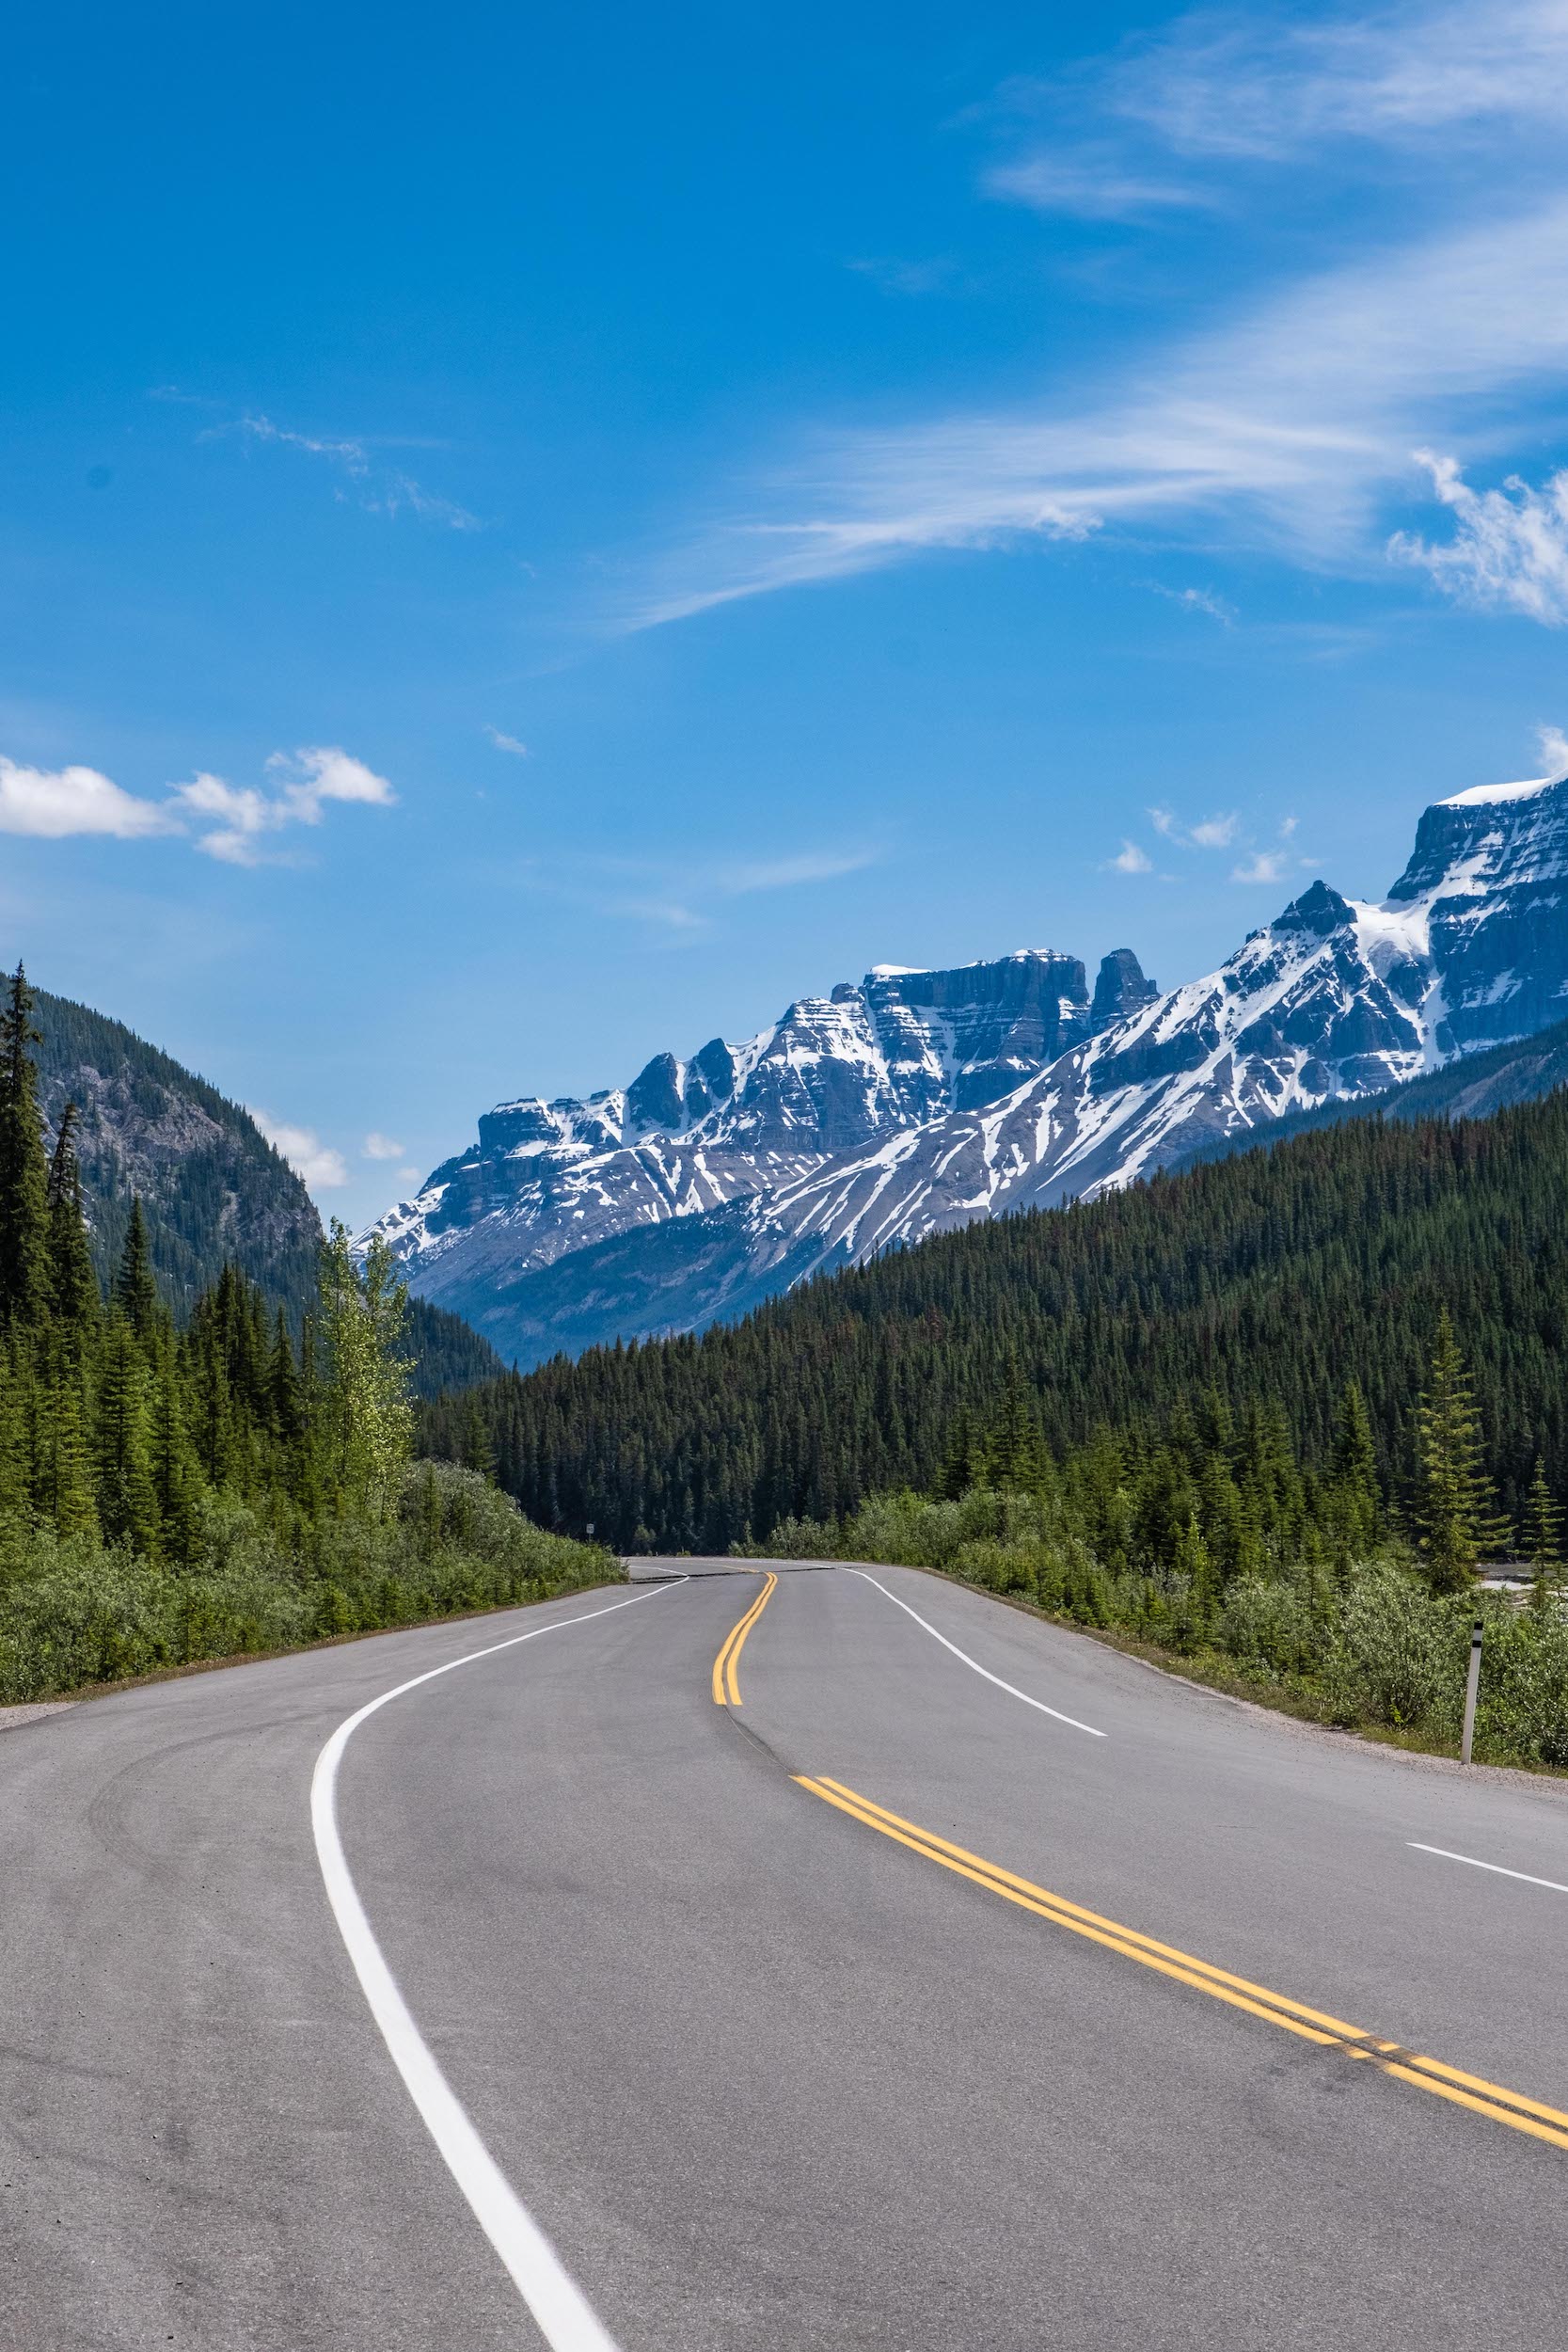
1276,2008
726,1688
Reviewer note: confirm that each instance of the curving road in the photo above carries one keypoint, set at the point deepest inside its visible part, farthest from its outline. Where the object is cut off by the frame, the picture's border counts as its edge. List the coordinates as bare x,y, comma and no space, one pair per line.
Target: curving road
767,1963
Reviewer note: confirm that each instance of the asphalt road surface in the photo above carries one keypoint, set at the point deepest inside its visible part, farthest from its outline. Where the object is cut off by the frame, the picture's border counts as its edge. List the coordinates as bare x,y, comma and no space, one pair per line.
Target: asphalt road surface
987,1992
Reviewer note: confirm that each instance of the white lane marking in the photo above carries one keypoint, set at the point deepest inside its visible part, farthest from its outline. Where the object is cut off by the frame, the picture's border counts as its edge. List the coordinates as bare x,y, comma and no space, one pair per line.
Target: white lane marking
558,2304
1071,1720
1555,1884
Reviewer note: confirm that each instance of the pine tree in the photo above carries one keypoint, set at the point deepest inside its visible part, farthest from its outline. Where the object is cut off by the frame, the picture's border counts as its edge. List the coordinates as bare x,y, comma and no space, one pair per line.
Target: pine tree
957,1475
72,1284
127,1506
176,1478
24,1170
1543,1538
284,1395
63,1462
1358,1501
136,1290
1455,1514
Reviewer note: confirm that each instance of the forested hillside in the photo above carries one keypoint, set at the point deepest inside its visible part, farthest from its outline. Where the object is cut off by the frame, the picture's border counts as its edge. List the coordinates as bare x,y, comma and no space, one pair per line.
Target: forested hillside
213,1191
1277,1275
172,1490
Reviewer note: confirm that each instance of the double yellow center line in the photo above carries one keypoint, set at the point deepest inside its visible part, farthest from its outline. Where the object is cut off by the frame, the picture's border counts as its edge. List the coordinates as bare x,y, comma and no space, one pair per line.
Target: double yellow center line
726,1689
1275,2009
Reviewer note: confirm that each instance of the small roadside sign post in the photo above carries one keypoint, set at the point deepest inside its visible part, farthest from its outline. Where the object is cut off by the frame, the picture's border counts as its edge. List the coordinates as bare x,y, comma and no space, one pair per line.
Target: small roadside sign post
590,1531
1471,1686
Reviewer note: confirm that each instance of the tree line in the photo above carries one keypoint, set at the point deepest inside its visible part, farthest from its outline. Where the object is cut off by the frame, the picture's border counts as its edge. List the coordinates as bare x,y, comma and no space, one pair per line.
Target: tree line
1270,1282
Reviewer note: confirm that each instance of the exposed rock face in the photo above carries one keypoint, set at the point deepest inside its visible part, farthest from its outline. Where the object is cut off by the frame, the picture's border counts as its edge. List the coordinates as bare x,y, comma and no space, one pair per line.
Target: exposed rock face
212,1187
834,1075
1492,867
925,1099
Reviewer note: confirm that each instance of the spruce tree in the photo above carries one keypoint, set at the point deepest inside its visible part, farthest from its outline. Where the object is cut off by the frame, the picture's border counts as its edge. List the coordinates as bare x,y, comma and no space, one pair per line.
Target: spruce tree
1353,1472
127,1506
24,1273
1543,1538
135,1292
1455,1514
176,1479
72,1284
63,1462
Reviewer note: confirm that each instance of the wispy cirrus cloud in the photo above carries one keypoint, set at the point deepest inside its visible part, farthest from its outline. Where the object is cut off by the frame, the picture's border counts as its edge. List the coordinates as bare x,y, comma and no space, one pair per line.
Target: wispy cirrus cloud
364,478
1147,126
1288,425
507,742
682,897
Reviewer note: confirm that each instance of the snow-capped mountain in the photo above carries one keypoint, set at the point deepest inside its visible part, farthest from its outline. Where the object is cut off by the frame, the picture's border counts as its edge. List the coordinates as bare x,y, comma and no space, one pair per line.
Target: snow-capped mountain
921,1100
834,1073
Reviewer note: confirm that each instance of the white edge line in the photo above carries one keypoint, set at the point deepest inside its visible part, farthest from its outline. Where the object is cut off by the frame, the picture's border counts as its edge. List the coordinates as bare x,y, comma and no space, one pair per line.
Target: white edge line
1071,1720
1555,1884
563,2316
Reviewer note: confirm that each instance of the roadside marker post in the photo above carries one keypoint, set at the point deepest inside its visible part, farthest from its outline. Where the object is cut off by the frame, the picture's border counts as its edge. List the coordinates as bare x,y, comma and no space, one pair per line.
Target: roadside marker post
1471,1686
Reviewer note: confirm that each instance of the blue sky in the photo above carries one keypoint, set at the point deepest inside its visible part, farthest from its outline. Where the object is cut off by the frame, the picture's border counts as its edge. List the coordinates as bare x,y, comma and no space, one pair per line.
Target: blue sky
535,536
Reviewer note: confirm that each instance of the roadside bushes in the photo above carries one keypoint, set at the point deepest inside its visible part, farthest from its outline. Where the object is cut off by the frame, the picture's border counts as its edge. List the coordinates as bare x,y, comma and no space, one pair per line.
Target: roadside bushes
1357,1642
74,1611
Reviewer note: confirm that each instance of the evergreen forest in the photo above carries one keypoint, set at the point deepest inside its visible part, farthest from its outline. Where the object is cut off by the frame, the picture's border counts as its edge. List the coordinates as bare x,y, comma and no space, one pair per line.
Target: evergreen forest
176,1489
1260,1286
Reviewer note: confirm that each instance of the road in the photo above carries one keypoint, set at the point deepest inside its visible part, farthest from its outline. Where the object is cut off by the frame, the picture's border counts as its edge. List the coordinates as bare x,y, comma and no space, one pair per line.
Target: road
761,2052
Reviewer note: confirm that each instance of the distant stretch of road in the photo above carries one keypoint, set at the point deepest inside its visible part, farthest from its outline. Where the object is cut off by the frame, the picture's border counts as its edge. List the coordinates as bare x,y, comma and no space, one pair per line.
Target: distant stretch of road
773,1960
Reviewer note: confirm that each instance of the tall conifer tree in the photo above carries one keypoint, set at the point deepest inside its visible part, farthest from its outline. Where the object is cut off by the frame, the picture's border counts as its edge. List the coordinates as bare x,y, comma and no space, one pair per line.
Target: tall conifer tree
136,1290
24,1170
1455,1513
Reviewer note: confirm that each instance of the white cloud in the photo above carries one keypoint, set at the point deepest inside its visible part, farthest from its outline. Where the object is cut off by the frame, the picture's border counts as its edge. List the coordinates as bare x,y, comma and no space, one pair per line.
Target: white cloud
233,821
1092,182
507,743
1129,859
1288,826
51,804
1200,600
785,873
1554,749
379,1147
388,492
1287,424
1146,127
1264,865
323,1168
1510,547
1211,833
408,1175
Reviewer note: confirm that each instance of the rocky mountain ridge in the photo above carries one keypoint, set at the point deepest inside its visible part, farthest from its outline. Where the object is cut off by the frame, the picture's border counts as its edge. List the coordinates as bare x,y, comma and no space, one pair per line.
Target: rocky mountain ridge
917,1100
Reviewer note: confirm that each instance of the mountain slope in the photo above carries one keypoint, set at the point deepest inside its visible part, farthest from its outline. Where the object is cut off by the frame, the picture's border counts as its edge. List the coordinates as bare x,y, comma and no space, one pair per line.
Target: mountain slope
1480,1084
213,1188
547,1181
1274,1275
922,1101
